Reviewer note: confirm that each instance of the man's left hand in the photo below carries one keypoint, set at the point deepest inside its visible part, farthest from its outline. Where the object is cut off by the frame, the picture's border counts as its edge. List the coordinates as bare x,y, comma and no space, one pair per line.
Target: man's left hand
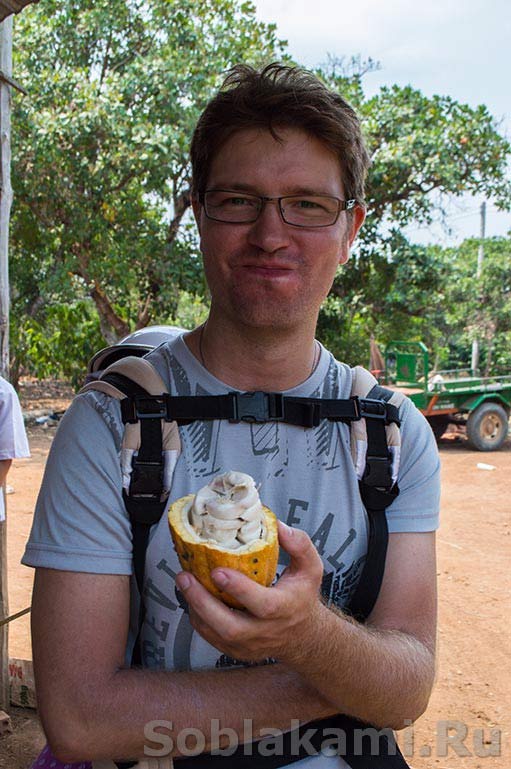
279,621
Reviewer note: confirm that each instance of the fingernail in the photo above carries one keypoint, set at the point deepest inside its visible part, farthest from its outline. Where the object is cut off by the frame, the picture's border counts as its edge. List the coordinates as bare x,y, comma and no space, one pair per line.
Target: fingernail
183,581
220,578
287,528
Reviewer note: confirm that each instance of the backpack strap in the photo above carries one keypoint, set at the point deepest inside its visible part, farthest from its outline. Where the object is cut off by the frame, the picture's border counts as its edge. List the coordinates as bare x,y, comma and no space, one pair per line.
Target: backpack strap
375,448
151,443
149,452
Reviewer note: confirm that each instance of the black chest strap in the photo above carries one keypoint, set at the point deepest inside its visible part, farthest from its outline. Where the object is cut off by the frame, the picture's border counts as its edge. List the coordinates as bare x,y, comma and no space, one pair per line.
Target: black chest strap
247,407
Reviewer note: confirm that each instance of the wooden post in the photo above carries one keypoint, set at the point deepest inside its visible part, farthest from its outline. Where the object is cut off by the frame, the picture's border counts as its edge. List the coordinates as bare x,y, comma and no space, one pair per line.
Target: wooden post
5,210
5,189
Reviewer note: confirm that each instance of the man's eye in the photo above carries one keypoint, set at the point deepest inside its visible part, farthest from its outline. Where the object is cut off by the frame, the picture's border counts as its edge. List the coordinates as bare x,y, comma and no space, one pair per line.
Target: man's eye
239,201
314,206
232,201
305,204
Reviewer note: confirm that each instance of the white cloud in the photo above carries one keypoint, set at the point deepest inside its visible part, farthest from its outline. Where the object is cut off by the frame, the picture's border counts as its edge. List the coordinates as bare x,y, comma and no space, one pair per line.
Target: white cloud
457,47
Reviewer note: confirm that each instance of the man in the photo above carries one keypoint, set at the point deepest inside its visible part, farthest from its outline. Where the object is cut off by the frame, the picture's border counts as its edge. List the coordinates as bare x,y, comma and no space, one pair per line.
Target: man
276,157
13,439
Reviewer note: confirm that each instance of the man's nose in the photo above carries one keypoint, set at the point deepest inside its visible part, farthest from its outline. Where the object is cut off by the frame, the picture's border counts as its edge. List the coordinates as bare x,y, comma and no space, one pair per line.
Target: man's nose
269,232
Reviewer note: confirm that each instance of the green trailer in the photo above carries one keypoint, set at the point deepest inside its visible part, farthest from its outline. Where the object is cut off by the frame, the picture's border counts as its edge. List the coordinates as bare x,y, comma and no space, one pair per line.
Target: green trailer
482,404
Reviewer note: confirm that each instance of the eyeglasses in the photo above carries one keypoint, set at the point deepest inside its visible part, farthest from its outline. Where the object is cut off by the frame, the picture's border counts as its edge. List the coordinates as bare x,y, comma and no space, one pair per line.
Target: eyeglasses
298,210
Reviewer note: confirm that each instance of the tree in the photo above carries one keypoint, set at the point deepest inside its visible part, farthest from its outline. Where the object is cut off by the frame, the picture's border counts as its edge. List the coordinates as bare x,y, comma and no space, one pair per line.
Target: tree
101,148
102,174
480,306
394,291
422,149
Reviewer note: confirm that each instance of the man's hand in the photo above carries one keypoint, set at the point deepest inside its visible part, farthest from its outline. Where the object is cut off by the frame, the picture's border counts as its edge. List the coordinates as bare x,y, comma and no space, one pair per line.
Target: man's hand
278,618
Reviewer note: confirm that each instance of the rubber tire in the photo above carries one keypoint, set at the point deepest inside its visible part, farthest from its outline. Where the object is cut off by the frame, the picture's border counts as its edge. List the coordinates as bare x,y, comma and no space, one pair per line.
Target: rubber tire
439,425
480,422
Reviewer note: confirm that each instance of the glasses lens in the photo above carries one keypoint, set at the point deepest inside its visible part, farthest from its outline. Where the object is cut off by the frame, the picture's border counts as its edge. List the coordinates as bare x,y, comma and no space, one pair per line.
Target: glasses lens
310,210
231,206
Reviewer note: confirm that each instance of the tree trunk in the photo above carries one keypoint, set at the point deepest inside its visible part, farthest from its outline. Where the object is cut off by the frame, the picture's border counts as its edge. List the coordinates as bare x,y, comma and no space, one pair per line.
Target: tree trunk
490,343
144,312
181,203
113,327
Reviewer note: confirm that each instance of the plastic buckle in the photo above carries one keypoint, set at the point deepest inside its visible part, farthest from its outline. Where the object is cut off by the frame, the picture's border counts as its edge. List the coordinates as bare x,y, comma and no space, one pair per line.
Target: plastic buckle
371,409
146,479
378,472
145,406
257,407
136,407
128,411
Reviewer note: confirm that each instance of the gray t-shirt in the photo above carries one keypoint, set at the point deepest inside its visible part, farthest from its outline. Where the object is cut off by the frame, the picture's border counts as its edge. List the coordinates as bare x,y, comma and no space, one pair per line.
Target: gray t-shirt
306,477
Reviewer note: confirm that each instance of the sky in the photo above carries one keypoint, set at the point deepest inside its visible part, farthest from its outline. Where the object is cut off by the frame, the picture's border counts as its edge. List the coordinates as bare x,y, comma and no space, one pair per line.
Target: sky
457,48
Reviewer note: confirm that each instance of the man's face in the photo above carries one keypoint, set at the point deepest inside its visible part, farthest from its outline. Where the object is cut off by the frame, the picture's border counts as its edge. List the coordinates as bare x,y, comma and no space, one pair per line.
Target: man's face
268,273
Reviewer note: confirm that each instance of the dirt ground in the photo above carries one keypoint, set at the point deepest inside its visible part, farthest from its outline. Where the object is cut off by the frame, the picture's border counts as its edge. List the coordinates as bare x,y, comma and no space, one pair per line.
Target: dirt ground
470,709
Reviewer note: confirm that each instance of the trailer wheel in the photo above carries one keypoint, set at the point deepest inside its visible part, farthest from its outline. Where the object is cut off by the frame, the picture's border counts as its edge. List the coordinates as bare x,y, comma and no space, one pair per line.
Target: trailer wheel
487,427
439,425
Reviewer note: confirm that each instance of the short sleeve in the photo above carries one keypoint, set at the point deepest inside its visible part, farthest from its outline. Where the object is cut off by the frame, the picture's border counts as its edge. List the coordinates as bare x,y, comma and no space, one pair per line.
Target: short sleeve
417,508
80,522
13,438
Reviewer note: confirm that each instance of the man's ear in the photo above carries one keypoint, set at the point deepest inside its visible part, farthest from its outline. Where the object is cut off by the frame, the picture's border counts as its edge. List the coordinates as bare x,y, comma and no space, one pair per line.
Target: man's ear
355,222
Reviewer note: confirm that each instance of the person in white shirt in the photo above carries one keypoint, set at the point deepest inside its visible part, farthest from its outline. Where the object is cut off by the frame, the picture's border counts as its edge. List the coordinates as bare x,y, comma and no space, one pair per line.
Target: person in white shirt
13,438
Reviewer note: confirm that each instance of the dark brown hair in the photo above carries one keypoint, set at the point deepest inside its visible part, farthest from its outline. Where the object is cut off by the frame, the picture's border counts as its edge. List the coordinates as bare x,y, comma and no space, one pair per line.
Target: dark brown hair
274,97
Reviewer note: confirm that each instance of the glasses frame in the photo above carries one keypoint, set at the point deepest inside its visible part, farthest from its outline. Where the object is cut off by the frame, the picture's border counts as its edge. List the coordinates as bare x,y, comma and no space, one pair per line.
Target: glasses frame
342,205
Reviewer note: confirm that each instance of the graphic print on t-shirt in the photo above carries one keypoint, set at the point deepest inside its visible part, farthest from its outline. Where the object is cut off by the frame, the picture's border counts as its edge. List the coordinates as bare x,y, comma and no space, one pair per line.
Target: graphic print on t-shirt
265,450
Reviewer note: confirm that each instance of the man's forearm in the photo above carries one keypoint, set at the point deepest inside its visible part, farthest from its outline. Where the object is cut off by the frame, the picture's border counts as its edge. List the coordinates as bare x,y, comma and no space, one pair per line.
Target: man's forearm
381,677
111,722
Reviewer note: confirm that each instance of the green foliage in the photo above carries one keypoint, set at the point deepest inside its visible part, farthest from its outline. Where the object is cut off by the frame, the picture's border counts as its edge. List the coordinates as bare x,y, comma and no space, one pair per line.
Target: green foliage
429,294
100,155
58,343
191,311
103,241
394,292
421,145
480,306
422,148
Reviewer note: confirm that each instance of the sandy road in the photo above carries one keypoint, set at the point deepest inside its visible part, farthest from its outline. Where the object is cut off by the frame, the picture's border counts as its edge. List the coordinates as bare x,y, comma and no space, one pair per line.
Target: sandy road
472,696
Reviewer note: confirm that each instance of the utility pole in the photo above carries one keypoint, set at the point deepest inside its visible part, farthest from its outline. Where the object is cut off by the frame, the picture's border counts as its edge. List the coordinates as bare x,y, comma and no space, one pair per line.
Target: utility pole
5,210
480,258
